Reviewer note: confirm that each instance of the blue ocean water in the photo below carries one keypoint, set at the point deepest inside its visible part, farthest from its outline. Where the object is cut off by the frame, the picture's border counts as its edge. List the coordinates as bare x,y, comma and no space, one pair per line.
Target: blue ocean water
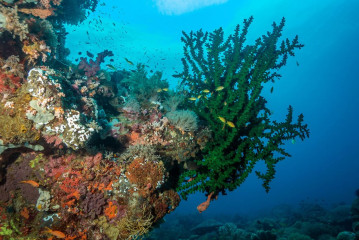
321,82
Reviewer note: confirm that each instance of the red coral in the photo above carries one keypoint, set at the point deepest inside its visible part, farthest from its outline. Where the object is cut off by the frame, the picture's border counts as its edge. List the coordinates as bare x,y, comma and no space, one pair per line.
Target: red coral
69,190
146,175
114,211
9,82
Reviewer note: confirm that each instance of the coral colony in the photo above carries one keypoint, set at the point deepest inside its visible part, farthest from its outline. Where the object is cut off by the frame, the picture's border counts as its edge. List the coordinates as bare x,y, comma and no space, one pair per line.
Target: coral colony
92,154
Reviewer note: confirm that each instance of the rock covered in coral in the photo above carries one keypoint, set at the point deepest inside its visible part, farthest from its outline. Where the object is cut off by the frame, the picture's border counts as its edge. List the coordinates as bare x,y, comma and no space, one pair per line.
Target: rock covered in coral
124,192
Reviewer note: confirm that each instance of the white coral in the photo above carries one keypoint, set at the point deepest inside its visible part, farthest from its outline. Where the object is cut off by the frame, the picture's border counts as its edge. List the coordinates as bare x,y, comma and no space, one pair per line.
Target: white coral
184,120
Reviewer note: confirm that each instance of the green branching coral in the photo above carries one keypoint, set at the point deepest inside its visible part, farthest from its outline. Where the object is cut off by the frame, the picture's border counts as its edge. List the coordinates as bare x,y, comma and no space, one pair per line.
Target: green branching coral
226,78
145,89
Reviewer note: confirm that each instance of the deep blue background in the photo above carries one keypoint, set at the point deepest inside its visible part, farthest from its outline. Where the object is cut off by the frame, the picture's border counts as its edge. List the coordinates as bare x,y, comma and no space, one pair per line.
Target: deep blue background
324,86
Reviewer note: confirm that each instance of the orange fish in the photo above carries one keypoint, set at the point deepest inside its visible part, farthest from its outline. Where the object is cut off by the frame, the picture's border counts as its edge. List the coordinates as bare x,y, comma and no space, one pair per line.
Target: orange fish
31,182
203,206
55,233
190,180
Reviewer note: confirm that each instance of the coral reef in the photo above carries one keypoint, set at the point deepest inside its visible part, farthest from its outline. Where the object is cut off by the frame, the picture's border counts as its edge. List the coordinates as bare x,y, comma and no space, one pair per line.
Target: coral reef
123,189
92,154
146,90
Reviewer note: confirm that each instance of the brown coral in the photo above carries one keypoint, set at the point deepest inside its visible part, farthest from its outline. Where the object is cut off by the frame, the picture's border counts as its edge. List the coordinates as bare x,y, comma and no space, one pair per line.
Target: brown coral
47,3
38,12
36,49
164,203
13,23
12,66
145,175
18,128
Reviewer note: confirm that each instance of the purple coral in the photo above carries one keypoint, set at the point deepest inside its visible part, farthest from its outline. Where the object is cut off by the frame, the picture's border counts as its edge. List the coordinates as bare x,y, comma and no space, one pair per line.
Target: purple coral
93,205
17,172
91,68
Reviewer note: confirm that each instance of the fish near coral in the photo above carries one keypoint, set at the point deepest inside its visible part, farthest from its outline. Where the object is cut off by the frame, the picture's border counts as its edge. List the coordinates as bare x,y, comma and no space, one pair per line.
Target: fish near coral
220,88
128,61
230,124
162,89
111,67
222,119
55,233
31,182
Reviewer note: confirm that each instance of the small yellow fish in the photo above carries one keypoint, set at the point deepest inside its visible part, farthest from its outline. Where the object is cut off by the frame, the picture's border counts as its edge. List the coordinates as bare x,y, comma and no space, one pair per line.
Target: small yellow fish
128,61
220,88
230,124
111,67
31,182
192,99
206,91
165,89
225,103
222,119
159,90
199,96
